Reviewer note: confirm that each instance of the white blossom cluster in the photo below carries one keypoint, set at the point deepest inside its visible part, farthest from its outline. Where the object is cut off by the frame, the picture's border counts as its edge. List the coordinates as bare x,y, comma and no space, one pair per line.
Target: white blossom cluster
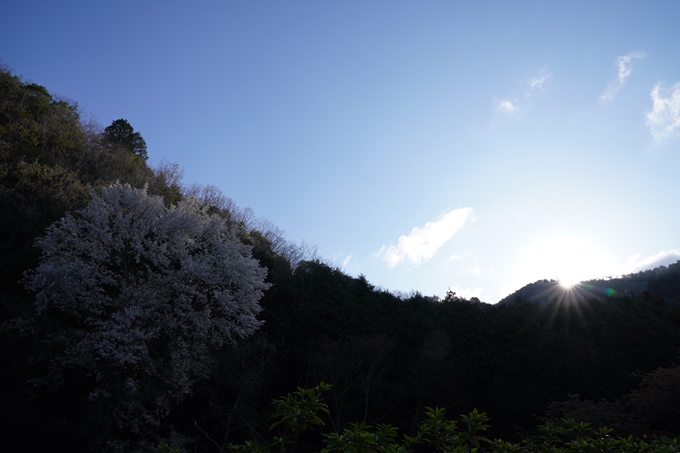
142,293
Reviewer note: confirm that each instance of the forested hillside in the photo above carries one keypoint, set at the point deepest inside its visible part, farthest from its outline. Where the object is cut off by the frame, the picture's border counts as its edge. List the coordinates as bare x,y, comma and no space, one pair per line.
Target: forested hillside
154,337
662,281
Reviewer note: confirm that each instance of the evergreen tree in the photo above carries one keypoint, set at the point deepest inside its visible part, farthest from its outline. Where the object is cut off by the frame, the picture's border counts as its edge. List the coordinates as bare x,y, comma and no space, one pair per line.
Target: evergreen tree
121,134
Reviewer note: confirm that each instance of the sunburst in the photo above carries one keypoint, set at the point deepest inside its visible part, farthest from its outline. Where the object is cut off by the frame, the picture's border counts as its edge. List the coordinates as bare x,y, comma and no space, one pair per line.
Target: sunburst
567,259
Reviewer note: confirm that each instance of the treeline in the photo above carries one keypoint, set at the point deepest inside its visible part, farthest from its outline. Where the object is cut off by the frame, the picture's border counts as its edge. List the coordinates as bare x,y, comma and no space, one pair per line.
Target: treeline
386,356
663,281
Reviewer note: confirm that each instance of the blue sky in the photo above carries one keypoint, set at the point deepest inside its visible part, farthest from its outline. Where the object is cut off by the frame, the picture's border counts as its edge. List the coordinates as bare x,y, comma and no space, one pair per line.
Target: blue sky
477,146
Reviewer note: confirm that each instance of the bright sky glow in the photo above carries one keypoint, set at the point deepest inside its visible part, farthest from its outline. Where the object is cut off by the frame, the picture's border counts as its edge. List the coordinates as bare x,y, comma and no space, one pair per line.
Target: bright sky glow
380,130
567,259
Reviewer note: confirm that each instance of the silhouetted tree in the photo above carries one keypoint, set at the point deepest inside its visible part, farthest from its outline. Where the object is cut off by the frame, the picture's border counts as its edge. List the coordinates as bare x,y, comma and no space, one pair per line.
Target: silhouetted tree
121,134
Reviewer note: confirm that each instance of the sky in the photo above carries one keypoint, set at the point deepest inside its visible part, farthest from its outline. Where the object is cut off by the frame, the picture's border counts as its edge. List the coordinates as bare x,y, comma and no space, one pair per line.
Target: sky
472,146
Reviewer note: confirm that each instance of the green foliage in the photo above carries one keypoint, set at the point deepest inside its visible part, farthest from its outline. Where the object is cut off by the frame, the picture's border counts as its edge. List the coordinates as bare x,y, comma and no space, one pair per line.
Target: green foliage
32,196
122,135
300,410
549,436
653,407
657,401
165,448
362,438
35,125
475,423
439,434
436,429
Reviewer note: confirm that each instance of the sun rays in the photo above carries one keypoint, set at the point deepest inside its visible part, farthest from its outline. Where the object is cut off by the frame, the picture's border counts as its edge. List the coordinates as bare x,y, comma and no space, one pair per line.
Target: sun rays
569,260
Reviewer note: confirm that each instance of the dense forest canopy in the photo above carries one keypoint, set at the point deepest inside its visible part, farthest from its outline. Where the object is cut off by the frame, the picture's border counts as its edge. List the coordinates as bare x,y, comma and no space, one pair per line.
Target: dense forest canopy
603,358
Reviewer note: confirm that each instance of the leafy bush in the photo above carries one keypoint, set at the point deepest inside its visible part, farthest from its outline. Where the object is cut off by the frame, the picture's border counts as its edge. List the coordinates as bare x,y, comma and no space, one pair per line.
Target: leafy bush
304,408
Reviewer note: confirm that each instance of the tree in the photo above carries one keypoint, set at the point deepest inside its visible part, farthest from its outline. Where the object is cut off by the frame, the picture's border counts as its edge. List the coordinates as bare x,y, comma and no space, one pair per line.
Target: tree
121,134
34,125
32,196
657,401
136,295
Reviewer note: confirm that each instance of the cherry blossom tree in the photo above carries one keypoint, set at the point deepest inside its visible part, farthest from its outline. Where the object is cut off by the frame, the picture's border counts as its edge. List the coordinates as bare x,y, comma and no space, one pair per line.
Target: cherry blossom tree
137,294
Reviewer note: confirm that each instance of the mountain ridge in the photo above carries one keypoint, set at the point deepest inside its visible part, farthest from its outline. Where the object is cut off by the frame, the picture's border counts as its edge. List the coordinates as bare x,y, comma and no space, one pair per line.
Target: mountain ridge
661,281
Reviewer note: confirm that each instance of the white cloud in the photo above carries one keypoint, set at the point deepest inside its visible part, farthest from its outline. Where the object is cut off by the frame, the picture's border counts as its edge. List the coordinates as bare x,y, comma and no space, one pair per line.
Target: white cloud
468,253
624,64
536,83
346,261
422,243
535,86
663,258
506,106
664,119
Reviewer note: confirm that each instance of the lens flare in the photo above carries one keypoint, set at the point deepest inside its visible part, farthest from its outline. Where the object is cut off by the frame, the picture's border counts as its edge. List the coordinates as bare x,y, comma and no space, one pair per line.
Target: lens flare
566,259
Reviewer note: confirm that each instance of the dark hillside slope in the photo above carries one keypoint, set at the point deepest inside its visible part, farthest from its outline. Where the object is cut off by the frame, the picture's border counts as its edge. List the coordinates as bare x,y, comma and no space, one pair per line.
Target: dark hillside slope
663,282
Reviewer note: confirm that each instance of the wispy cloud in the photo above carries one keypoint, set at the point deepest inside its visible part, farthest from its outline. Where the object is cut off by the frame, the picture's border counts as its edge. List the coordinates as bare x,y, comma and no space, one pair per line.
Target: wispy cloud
346,261
664,119
506,106
422,243
624,65
536,83
663,258
468,254
473,270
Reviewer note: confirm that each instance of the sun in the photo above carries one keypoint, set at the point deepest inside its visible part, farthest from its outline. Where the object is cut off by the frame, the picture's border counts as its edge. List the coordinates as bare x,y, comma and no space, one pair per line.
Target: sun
567,283
567,259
